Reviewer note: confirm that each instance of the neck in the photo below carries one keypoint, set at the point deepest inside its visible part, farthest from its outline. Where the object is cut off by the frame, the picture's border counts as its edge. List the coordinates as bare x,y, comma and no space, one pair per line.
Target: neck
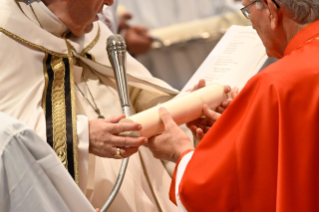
45,18
292,28
285,32
56,7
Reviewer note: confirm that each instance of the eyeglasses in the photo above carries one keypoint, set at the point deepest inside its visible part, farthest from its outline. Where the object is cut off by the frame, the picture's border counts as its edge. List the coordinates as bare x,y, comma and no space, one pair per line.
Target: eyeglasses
246,12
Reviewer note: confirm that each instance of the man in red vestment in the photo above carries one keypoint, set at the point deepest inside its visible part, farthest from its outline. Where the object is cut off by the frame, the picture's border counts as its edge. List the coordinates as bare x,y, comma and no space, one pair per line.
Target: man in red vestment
262,154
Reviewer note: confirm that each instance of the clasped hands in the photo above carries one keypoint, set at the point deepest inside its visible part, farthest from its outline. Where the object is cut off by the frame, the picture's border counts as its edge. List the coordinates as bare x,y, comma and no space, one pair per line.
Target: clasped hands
171,144
105,140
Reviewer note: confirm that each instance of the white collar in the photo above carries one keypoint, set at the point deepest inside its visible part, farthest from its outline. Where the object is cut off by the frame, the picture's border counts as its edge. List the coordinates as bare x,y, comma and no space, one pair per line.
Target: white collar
49,21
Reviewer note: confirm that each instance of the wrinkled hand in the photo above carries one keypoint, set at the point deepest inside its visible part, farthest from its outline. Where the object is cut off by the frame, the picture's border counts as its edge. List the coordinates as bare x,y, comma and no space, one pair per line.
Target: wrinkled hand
138,40
171,144
202,125
104,138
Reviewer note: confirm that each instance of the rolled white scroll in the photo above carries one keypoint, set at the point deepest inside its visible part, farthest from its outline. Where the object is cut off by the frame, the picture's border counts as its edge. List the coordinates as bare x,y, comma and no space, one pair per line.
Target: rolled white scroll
183,110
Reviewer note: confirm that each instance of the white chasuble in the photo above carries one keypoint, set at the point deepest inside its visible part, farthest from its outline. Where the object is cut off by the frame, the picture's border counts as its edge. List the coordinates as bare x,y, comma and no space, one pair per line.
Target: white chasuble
39,70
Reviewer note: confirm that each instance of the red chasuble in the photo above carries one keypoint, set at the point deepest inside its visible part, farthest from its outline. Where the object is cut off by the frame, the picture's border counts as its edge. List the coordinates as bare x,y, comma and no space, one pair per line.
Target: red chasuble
263,153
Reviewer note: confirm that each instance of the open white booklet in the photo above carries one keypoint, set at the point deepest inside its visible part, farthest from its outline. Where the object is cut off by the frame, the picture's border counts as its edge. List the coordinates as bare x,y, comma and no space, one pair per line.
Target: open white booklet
236,58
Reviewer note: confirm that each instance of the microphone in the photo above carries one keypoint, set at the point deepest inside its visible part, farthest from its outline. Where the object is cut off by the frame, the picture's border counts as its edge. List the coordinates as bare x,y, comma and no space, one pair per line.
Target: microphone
116,49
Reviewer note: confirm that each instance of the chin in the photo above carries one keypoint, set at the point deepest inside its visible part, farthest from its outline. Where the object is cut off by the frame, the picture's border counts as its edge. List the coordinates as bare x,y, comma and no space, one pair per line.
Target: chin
82,31
88,28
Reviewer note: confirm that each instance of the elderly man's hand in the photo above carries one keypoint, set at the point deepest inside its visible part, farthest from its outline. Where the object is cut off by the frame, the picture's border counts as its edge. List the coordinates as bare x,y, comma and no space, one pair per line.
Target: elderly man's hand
105,139
172,142
201,126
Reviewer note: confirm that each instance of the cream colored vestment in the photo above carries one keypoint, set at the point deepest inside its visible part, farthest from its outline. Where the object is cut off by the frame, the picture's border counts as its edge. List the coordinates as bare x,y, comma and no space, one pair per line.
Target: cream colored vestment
24,46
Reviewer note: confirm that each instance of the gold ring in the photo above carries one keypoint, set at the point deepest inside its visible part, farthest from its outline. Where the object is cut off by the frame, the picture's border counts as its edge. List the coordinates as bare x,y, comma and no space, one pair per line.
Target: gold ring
118,153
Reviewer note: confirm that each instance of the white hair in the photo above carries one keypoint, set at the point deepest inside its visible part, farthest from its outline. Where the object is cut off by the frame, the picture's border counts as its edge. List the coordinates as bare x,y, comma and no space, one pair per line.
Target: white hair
301,11
259,5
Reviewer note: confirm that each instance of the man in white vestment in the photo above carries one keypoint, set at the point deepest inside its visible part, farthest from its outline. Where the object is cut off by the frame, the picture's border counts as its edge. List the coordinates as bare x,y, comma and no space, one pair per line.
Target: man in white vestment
56,78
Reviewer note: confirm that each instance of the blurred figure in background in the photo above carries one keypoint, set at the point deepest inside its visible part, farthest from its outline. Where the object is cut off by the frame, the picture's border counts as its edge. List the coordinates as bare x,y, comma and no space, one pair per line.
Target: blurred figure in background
137,39
179,53
154,14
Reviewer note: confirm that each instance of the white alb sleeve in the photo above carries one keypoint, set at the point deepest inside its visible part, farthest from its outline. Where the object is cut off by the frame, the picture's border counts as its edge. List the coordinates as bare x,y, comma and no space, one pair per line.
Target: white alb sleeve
83,150
180,172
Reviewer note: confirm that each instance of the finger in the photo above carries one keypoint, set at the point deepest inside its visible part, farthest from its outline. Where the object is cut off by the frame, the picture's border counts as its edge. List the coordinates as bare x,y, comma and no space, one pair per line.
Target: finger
206,129
127,152
189,124
123,127
202,126
233,93
199,134
124,152
150,141
193,129
127,141
97,209
166,118
114,119
201,83
200,121
227,89
211,115
220,109
226,103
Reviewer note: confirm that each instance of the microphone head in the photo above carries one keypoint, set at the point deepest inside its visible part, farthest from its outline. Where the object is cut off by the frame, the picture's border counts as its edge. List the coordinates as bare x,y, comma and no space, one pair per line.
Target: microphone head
116,49
115,43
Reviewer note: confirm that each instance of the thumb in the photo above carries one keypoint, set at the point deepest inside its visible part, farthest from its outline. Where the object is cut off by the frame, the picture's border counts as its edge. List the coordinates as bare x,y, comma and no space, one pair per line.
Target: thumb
210,114
166,117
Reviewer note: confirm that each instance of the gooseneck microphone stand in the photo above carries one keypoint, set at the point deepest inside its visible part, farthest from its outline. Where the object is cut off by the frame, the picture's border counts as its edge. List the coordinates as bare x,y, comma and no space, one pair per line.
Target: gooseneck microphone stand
116,49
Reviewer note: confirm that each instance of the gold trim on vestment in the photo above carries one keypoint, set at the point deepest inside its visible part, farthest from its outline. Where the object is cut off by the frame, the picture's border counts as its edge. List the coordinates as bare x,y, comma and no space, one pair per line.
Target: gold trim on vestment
74,121
92,56
46,83
307,42
20,7
168,91
11,35
92,44
58,110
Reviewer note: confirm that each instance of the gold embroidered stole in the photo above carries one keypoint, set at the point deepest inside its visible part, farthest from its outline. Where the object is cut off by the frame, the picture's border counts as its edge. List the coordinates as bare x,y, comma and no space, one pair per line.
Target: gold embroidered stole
60,110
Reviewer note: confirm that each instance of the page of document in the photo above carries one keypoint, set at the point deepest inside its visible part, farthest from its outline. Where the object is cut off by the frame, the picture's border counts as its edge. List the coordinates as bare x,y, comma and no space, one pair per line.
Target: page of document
236,58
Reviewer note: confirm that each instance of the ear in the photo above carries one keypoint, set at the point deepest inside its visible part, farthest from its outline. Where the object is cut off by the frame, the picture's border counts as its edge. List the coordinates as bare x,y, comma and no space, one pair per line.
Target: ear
274,13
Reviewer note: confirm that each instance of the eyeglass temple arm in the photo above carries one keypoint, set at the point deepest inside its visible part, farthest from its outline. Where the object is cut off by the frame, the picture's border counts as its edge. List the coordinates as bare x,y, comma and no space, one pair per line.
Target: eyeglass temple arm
276,3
